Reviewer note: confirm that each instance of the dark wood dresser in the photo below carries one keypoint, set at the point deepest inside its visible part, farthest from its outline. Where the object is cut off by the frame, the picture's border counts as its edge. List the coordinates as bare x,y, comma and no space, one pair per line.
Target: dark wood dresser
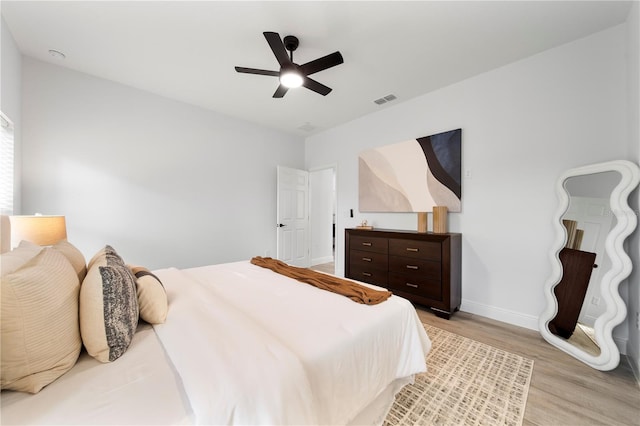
424,268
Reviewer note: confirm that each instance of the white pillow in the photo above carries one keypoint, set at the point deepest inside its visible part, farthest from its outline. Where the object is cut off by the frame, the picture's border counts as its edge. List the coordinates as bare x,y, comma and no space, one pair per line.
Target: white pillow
39,322
108,307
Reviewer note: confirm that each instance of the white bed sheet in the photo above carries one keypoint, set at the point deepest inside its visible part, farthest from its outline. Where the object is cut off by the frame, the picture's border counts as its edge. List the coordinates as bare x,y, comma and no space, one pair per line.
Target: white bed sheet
327,357
140,388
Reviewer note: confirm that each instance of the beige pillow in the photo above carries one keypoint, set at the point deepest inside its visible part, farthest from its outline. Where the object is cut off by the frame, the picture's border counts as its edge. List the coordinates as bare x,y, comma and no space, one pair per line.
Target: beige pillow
108,307
17,257
40,333
152,297
75,257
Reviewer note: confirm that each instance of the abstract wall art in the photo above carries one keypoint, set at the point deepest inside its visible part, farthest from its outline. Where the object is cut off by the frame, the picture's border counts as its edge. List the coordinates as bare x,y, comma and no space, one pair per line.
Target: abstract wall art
412,176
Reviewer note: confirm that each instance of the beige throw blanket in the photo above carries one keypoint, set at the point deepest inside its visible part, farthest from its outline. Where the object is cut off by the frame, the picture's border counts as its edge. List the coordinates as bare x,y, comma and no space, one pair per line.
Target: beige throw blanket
354,291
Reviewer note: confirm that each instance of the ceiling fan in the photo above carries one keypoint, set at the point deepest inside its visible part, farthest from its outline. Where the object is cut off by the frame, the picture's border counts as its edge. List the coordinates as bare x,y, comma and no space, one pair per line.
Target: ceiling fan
291,74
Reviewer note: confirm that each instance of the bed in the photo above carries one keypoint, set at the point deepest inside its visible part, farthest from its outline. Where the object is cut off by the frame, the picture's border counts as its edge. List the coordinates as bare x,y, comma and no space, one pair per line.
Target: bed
241,344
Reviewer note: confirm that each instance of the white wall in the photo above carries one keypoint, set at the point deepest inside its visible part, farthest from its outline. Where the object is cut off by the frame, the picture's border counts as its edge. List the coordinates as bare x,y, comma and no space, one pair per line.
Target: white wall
10,98
522,126
633,244
163,182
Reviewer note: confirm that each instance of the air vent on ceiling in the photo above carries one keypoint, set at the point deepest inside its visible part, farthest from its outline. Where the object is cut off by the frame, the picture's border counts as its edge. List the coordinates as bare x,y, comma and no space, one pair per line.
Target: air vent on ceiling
57,54
385,99
307,127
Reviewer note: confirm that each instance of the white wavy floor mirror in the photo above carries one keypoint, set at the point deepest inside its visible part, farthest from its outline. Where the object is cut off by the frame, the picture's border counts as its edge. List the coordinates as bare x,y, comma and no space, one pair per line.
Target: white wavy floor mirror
602,297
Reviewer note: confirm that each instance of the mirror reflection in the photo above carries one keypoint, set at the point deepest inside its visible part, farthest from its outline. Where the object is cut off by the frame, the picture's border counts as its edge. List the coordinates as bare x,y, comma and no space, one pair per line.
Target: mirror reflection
587,222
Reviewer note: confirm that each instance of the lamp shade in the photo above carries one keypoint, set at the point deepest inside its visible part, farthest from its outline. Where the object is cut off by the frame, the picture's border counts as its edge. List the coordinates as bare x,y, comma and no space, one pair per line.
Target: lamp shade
41,230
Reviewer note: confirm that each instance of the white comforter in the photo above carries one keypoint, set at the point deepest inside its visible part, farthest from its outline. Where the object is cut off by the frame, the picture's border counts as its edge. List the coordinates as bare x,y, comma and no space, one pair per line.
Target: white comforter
271,350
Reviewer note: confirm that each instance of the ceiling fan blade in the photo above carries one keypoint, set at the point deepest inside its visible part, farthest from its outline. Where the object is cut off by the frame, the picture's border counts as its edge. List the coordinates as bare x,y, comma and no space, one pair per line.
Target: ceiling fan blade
257,71
277,46
315,86
323,63
280,91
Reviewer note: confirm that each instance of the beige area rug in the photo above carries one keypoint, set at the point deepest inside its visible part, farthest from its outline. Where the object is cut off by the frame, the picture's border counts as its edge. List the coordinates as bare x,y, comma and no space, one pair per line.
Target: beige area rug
466,383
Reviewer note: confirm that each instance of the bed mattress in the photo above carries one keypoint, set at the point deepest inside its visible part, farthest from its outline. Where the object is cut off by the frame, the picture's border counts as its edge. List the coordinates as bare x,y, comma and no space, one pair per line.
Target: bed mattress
242,345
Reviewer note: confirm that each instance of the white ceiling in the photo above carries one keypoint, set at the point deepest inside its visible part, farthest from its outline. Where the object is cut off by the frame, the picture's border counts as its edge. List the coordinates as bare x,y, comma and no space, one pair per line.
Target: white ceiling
187,50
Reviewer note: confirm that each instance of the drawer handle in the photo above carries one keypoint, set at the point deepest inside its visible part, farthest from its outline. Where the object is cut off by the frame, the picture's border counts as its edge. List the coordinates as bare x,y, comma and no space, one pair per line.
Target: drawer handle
412,267
366,244
366,274
412,249
366,259
412,285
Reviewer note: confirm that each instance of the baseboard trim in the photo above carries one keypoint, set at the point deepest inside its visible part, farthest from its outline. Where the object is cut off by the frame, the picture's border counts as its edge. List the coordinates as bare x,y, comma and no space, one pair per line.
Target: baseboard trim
522,320
621,343
633,363
500,314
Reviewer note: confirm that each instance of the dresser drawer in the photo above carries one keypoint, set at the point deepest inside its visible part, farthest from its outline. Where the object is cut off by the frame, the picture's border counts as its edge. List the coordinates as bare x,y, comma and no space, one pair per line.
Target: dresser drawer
412,248
422,267
369,275
376,244
415,267
425,287
369,259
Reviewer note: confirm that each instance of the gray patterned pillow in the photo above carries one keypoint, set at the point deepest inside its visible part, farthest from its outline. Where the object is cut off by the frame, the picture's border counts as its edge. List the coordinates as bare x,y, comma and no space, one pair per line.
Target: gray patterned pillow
108,307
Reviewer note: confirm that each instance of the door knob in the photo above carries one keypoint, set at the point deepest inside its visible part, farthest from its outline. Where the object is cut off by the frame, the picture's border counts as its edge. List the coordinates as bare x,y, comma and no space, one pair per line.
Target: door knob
280,225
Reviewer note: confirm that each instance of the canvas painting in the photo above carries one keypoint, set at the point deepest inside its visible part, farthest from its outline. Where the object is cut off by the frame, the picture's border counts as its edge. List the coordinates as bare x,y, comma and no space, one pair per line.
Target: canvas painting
412,176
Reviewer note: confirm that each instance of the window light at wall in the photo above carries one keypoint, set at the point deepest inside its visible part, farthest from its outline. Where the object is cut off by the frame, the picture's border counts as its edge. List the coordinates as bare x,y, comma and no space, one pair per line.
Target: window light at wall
38,229
6,165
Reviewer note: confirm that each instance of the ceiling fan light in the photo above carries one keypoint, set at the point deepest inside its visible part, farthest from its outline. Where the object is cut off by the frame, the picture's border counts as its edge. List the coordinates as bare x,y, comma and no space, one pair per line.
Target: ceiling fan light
291,79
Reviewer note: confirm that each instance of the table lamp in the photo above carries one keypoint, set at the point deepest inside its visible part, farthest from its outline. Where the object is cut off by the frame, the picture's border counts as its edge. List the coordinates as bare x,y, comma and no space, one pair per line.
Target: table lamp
38,229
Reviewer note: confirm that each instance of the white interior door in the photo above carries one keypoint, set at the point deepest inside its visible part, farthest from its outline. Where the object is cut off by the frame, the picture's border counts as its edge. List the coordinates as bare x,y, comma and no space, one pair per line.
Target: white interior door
293,216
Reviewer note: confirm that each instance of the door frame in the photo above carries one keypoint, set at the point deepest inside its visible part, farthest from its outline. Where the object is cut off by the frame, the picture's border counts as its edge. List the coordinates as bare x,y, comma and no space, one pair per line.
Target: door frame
312,220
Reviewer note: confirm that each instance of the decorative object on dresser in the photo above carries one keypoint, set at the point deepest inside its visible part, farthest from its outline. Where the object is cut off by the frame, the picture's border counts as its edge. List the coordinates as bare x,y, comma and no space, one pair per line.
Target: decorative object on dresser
440,219
364,225
422,267
422,222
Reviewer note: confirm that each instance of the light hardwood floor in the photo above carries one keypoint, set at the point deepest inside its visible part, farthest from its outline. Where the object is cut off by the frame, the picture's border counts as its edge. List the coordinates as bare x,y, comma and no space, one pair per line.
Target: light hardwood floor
329,268
563,391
